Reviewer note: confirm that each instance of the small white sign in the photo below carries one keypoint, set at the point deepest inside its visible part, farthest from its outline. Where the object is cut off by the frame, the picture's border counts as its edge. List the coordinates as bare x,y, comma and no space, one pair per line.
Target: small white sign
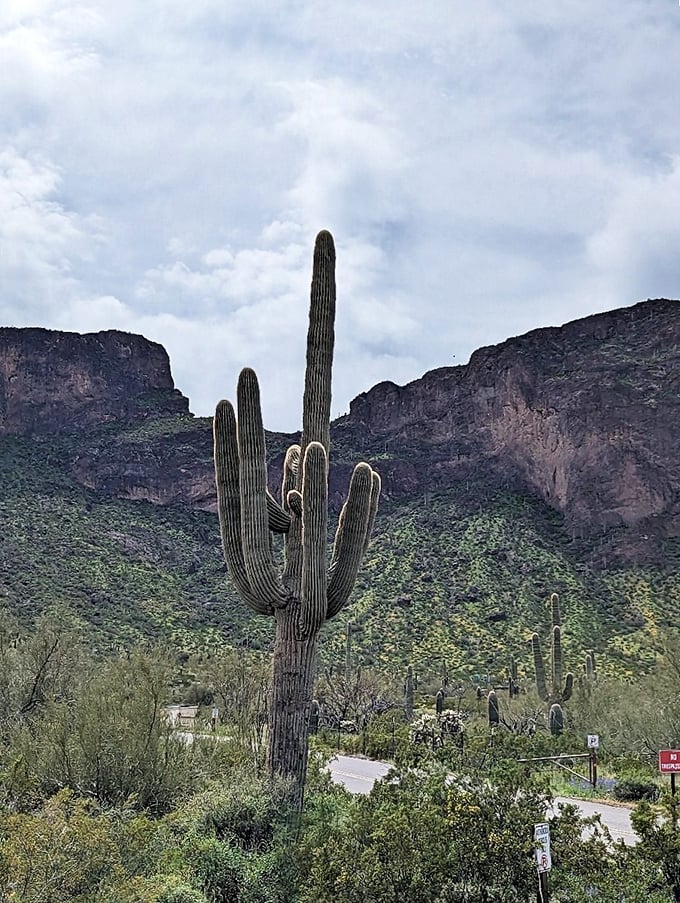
542,839
593,741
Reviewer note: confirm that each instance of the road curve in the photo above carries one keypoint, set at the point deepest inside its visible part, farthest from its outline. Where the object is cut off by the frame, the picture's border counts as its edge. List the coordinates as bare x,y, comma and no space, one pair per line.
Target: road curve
359,776
616,818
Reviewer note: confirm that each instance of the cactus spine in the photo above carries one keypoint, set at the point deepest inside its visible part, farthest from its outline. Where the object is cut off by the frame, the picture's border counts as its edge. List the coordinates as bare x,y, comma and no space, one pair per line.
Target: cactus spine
308,591
559,691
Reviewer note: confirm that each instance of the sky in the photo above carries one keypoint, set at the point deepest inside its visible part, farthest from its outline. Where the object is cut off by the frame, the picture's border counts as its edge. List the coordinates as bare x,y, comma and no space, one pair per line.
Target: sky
486,168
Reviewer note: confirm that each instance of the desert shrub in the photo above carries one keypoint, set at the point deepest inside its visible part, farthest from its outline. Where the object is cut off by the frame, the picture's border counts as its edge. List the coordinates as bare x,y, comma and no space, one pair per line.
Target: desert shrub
417,833
243,809
181,893
109,742
632,786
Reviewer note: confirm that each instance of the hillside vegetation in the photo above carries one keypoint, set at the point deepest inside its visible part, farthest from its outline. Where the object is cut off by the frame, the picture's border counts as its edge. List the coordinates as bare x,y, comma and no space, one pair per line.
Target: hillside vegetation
454,580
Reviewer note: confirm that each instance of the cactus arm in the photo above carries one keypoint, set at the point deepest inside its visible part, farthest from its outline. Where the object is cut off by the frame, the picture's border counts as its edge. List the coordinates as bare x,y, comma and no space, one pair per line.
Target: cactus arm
541,686
292,503
314,532
555,610
259,562
556,660
290,469
316,403
295,502
279,520
568,687
373,508
229,504
350,539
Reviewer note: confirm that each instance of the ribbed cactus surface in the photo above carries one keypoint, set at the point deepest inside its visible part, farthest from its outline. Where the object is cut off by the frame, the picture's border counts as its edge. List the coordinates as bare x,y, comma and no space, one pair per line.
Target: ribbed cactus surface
309,588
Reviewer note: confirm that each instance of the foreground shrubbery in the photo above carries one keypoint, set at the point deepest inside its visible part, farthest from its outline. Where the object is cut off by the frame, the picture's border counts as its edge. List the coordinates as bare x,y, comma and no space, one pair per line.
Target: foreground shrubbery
100,802
420,837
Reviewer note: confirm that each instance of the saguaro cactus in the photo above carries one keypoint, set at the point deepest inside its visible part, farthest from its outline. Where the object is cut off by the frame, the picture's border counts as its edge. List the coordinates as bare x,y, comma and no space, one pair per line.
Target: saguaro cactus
513,682
409,688
307,591
558,692
493,709
556,719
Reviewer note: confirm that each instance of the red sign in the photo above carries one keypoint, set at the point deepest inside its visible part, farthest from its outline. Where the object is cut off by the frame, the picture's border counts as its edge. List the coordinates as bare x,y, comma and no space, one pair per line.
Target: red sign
669,761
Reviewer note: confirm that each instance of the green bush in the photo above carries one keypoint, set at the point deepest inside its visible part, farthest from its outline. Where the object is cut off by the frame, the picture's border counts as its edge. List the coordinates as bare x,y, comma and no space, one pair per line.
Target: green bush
635,785
181,893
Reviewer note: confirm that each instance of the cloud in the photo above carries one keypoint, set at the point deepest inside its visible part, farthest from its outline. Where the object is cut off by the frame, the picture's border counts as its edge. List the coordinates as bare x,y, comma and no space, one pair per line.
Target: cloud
485,169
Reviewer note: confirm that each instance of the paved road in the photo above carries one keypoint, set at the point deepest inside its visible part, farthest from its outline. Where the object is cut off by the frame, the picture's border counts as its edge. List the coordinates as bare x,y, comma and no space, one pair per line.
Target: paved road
359,775
616,818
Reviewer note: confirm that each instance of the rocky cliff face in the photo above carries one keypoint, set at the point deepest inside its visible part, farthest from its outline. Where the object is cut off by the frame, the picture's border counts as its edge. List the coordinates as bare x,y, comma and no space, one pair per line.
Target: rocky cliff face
587,415
55,382
59,382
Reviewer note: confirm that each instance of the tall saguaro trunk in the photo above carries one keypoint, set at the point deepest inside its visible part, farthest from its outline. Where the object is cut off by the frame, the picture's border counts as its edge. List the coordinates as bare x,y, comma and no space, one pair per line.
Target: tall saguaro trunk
294,670
309,590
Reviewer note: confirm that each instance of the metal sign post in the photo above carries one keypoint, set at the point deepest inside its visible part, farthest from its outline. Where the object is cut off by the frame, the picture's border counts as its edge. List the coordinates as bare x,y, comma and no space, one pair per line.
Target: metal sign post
593,746
543,860
669,763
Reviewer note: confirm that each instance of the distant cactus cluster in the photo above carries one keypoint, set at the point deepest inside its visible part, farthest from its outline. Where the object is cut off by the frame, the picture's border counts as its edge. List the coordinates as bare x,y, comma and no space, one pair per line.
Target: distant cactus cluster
588,678
561,686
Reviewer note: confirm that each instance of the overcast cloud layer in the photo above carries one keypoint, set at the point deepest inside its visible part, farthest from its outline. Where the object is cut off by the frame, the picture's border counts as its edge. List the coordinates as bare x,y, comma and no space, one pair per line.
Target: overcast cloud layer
485,169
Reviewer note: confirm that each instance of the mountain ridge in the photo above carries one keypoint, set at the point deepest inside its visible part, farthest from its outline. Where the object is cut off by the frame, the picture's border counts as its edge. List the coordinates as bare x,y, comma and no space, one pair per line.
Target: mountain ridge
467,549
585,416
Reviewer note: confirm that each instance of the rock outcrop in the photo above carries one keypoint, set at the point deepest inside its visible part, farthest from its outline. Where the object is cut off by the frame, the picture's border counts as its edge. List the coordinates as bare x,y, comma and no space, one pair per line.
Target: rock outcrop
61,382
587,415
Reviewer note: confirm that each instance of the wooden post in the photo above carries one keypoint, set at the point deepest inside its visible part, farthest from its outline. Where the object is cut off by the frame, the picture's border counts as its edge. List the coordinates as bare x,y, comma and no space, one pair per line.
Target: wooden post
543,888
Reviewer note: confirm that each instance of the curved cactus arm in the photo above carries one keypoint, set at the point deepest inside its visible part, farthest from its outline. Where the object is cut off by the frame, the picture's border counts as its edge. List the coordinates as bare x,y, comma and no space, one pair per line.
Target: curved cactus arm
350,539
279,520
316,403
290,469
314,543
539,669
568,687
295,502
229,504
256,542
292,503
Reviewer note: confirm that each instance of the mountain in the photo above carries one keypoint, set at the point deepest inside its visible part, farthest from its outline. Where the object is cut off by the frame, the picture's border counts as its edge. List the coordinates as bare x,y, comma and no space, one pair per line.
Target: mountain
547,462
